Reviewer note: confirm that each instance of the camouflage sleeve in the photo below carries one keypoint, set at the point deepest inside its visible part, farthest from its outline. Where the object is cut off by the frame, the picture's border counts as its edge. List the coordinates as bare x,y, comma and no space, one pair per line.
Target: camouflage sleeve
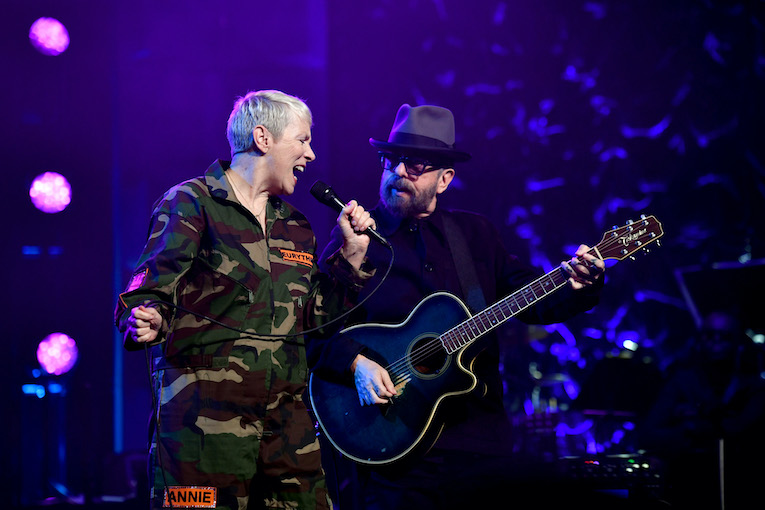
327,353
172,245
346,274
336,290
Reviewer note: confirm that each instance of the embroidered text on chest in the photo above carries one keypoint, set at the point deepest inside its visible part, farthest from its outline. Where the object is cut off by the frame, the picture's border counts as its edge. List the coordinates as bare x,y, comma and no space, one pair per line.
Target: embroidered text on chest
298,257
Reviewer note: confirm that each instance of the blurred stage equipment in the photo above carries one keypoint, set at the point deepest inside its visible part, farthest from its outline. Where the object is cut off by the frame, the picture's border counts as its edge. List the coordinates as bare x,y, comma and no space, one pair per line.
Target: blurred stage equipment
634,476
707,288
734,287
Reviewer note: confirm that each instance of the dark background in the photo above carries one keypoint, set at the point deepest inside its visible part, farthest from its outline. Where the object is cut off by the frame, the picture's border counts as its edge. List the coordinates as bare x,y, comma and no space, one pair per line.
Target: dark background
579,115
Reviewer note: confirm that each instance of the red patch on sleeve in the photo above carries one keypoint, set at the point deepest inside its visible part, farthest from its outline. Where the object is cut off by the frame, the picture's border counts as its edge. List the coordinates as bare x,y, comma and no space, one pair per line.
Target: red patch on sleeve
137,280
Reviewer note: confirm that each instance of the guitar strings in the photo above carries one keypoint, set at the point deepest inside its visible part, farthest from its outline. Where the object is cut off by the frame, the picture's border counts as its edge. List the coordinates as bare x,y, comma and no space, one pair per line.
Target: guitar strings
437,344
463,330
459,332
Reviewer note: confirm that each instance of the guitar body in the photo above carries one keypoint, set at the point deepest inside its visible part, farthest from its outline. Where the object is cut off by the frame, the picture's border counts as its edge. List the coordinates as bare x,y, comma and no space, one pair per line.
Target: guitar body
424,375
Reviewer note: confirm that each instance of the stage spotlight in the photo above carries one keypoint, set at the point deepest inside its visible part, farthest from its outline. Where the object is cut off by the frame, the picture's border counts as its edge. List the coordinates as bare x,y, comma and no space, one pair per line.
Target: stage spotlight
57,353
49,36
50,192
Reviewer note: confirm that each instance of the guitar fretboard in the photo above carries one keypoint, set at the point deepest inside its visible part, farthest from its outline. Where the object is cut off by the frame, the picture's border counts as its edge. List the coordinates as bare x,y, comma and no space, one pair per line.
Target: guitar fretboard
483,322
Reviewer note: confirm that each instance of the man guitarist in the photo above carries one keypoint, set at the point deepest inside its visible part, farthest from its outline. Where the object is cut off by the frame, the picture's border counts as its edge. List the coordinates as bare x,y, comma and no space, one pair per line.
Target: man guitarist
434,249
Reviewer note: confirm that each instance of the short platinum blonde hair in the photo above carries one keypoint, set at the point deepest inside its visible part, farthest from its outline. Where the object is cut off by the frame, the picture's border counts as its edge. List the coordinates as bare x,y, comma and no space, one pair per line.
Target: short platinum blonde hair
270,108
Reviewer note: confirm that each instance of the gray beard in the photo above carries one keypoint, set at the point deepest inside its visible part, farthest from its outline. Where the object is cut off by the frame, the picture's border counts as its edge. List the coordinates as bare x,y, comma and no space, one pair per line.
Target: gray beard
406,206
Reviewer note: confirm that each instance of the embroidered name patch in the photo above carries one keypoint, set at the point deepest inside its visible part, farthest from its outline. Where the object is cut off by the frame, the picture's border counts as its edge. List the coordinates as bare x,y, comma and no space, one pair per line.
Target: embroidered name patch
298,257
190,497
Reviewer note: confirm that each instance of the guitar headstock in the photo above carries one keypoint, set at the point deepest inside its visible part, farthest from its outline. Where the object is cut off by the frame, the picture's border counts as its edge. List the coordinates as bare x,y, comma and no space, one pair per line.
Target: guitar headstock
621,242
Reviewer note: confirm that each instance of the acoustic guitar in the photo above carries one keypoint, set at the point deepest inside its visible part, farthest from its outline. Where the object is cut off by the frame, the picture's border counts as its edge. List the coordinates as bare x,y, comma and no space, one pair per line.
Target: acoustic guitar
424,357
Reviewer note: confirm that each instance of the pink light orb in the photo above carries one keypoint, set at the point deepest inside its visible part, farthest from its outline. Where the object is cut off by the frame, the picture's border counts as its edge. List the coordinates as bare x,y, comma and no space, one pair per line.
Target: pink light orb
49,36
50,192
57,353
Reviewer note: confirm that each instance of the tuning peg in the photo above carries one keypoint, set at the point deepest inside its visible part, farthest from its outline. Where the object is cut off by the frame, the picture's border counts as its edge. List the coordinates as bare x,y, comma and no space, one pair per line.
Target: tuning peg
632,258
658,242
643,216
630,222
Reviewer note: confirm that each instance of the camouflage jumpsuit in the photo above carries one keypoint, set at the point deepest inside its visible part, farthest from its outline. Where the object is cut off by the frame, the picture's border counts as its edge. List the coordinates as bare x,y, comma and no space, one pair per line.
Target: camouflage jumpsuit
230,411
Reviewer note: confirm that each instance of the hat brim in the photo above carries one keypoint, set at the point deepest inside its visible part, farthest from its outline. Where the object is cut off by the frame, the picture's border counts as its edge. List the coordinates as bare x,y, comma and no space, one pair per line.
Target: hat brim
439,153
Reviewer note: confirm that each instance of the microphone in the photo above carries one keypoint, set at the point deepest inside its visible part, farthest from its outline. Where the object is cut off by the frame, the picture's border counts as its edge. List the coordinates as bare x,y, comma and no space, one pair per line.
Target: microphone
327,196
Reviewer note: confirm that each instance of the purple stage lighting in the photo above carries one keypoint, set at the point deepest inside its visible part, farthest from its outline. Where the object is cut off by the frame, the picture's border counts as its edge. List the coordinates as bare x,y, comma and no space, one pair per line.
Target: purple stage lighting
49,36
50,192
57,353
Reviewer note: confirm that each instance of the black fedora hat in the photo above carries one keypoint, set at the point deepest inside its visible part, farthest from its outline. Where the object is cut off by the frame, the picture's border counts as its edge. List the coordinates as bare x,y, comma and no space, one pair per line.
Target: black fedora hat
423,130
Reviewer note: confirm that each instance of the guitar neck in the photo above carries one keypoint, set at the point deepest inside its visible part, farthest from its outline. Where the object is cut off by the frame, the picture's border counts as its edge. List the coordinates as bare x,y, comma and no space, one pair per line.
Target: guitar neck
617,244
498,313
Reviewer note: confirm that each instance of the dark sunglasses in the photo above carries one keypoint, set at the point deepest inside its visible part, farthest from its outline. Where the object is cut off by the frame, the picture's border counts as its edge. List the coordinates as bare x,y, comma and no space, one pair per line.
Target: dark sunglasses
414,166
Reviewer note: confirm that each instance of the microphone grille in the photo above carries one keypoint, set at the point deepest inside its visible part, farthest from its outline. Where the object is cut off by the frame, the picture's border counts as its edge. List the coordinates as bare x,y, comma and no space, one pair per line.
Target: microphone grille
321,192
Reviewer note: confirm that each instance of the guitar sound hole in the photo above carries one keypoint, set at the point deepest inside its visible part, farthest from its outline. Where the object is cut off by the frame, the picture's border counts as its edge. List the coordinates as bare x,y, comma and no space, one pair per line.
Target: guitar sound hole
428,357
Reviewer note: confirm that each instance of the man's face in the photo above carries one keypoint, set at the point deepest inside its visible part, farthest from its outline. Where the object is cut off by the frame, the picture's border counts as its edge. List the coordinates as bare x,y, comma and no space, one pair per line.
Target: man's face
412,196
289,156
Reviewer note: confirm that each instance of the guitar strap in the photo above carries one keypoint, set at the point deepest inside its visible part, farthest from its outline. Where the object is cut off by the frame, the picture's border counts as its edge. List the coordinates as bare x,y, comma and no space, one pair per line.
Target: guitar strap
464,264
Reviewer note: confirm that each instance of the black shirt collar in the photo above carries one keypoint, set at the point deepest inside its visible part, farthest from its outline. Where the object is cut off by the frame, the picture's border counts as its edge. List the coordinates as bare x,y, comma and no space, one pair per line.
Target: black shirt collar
388,224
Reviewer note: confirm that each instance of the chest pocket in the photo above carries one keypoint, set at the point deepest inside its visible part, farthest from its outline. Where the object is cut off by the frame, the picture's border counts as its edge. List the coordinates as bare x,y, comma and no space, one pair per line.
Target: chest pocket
293,269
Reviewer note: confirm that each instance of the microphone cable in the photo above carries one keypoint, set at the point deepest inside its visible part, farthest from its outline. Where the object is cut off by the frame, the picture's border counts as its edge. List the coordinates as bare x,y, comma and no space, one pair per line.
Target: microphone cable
270,337
158,446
